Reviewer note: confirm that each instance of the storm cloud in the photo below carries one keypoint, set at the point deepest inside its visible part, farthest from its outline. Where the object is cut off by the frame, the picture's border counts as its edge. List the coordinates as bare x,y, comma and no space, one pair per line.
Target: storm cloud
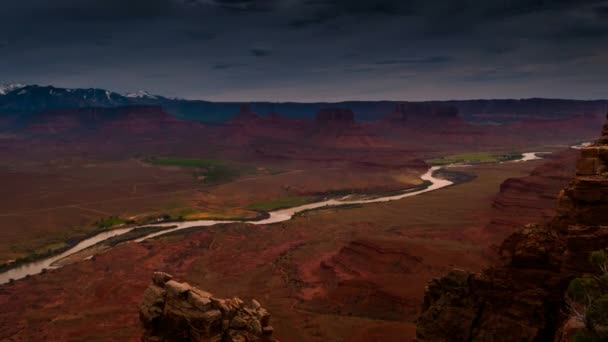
311,50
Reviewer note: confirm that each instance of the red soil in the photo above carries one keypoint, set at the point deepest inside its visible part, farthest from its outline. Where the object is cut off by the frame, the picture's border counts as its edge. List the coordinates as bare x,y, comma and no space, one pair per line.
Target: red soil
322,280
531,199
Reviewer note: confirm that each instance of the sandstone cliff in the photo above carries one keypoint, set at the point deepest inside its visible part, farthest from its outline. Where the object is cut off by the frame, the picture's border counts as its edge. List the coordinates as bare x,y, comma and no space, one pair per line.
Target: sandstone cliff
522,298
522,200
173,311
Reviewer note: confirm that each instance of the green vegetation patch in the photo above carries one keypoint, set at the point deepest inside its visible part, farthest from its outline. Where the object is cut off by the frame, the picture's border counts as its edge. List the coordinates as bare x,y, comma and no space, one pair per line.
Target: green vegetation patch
475,158
41,253
281,203
61,241
587,299
211,171
183,162
111,221
582,336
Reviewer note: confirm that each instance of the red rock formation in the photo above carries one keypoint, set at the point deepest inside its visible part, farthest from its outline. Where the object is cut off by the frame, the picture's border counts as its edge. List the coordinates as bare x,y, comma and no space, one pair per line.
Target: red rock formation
245,114
522,299
173,311
335,116
526,199
419,113
125,119
362,280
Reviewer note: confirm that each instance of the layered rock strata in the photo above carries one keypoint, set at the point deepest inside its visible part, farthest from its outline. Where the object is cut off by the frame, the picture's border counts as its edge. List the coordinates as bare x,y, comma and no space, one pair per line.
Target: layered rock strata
522,298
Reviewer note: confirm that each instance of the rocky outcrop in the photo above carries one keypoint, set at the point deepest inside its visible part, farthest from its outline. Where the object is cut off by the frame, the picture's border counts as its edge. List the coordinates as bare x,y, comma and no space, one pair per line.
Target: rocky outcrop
133,119
532,198
517,301
245,114
173,311
585,200
522,298
335,115
359,280
449,302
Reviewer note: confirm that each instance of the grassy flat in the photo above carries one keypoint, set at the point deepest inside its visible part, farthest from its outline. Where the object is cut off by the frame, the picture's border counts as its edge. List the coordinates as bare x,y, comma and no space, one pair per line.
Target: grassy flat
475,158
211,171
109,222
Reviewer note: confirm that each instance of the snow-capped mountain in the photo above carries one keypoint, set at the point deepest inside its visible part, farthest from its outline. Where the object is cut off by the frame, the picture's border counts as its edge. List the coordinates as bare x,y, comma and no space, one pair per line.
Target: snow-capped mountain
141,94
33,99
7,88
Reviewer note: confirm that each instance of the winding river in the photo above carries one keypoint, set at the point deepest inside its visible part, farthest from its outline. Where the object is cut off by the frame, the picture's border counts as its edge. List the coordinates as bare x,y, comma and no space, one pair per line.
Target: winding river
274,217
582,145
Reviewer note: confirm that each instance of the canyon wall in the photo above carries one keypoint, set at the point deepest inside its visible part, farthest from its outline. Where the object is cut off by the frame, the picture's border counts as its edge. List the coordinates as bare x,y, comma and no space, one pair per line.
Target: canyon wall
522,298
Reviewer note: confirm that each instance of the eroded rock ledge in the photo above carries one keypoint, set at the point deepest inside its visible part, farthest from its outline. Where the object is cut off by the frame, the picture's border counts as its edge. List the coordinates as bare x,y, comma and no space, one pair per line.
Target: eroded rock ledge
173,311
522,298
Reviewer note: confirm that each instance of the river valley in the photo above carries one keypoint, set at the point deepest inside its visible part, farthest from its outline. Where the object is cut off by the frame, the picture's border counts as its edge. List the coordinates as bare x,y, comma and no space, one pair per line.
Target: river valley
281,215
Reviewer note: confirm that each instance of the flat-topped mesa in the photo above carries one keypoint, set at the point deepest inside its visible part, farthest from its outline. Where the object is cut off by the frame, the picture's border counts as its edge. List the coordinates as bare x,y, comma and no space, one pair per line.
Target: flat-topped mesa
335,116
131,120
245,114
425,113
173,311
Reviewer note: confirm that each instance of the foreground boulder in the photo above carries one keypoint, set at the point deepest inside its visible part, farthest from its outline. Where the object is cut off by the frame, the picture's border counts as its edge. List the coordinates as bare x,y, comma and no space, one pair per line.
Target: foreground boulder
522,298
173,311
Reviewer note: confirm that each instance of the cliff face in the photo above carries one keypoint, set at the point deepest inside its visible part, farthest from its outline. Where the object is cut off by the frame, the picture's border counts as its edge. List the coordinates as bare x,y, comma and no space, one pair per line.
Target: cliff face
173,311
532,198
522,298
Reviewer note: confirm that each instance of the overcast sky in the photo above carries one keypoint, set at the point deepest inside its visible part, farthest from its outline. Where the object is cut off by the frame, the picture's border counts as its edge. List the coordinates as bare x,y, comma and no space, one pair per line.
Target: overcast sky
311,50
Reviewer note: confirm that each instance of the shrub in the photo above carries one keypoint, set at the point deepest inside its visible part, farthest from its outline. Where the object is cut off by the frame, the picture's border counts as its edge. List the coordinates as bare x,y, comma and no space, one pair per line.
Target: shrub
587,298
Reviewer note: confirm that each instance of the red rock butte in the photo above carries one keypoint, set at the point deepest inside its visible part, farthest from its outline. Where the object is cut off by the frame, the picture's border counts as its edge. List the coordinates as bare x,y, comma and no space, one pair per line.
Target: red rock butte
419,112
335,115
245,114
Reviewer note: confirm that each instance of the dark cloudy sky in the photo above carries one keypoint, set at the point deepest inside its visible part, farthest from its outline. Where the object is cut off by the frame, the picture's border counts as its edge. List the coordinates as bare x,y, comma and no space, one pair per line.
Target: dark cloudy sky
310,50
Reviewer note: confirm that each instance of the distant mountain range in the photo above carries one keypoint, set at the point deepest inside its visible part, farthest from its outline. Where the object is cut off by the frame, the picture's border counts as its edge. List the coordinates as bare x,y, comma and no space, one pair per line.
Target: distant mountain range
7,88
19,99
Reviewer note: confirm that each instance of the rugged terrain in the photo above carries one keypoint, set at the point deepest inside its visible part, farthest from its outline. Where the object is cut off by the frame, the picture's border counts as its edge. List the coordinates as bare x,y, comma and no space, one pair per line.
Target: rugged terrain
355,274
524,200
78,167
69,169
31,99
522,298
